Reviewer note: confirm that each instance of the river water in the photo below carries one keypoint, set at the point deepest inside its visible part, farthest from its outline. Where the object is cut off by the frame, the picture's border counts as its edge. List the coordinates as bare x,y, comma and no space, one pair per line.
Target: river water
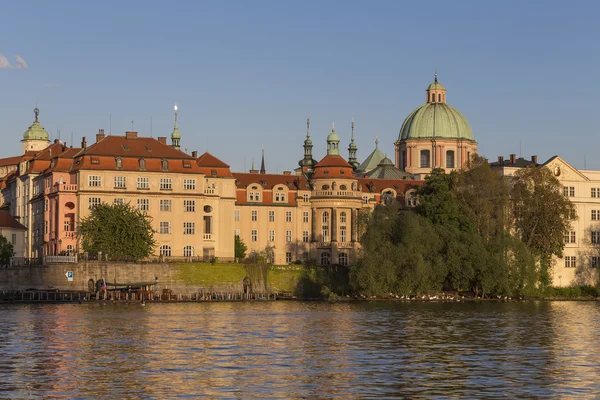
299,350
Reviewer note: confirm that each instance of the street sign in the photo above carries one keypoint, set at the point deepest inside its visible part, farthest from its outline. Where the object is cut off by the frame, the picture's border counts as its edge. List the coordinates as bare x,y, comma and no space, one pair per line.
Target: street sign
69,275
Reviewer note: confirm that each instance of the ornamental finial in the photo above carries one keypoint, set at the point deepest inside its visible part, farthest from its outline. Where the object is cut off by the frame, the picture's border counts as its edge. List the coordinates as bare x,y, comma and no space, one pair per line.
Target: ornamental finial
307,127
333,127
36,111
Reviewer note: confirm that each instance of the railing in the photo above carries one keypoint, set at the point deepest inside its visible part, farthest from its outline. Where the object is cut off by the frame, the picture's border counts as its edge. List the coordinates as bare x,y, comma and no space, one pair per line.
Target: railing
209,191
345,245
70,234
208,236
63,188
24,261
59,259
324,245
339,245
335,193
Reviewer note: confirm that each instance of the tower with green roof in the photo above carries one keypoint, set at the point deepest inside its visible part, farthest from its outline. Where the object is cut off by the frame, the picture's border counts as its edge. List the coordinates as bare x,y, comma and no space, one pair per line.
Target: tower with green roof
35,137
434,135
333,142
352,149
175,136
308,162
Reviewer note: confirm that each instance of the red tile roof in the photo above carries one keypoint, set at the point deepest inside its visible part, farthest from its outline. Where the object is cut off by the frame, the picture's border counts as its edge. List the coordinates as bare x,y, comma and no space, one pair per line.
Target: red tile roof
333,161
4,162
269,181
8,221
208,160
143,147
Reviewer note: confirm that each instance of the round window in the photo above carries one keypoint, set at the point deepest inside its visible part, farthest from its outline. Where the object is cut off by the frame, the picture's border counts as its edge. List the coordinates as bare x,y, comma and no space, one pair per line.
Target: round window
207,209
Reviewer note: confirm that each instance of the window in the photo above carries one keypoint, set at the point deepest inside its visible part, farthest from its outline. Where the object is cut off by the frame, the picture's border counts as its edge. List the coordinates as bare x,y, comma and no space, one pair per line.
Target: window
120,182
411,199
119,162
271,235
143,204
305,237
595,237
254,235
325,259
365,199
46,205
119,201
595,192
67,226
595,215
94,180
165,228
13,239
189,205
288,216
288,236
288,257
236,215
142,164
343,235
450,159
207,225
343,258
189,184
45,227
164,165
595,261
305,197
570,237
305,217
343,218
570,262
279,196
165,250
569,191
325,218
93,202
254,196
165,205
325,227
166,184
189,228
425,159
188,251
143,183
271,216
236,232
254,215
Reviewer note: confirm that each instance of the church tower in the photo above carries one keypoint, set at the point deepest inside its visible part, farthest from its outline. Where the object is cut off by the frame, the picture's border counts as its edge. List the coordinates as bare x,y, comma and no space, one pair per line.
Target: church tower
352,149
175,136
35,137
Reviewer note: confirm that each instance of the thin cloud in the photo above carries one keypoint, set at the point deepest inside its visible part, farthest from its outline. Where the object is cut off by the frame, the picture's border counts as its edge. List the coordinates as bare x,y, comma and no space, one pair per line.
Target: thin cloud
51,84
20,63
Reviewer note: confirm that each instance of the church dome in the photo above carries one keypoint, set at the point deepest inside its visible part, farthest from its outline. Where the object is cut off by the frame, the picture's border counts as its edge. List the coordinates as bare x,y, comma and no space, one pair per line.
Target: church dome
36,131
436,119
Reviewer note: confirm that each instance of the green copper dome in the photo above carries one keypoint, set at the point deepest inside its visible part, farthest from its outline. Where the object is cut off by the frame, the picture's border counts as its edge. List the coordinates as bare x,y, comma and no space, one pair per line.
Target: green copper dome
36,131
435,120
436,85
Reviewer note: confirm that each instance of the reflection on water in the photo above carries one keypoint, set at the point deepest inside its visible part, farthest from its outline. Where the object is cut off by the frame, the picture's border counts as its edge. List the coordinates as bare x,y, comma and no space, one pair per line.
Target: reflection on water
295,349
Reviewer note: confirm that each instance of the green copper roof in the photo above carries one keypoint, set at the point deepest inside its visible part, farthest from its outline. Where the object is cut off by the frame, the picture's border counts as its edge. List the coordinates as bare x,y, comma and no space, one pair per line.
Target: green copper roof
435,120
436,85
36,131
175,134
333,142
372,160
387,170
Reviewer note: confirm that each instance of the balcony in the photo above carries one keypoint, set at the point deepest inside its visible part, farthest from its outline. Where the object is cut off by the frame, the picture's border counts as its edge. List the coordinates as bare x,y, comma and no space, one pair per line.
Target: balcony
64,188
208,236
209,191
335,193
70,234
339,245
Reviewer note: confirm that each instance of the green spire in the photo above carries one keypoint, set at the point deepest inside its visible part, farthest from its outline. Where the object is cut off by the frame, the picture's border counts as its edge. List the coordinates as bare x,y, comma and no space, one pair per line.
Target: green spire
175,136
333,142
308,161
352,148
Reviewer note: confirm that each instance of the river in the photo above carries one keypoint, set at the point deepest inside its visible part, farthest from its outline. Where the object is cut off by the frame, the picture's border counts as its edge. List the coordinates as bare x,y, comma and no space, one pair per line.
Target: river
301,349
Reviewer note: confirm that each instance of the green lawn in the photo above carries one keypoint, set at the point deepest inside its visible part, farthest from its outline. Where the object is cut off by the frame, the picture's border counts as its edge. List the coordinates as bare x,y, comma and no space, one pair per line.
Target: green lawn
283,281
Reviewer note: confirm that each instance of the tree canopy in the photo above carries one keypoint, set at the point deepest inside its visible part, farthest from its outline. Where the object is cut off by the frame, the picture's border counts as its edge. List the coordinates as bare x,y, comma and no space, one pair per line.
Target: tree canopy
6,251
119,231
240,248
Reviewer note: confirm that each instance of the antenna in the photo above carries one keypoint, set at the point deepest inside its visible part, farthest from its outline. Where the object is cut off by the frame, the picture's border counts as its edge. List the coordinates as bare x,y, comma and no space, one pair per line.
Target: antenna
132,126
71,139
110,124
58,131
151,126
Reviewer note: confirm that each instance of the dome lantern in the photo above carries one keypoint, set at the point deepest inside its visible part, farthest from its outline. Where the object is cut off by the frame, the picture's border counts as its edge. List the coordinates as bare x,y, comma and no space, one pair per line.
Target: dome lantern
436,92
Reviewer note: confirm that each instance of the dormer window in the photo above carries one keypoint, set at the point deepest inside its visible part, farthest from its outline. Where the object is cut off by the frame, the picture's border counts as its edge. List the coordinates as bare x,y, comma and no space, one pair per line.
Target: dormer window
165,165
119,162
95,160
142,163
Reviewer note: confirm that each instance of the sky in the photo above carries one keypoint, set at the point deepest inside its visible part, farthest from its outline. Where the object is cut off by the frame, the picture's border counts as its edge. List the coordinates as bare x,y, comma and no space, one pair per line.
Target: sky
246,74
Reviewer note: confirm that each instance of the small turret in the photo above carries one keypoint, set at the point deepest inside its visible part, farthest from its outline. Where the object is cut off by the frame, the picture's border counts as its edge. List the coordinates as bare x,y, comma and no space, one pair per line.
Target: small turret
352,149
175,136
307,162
333,142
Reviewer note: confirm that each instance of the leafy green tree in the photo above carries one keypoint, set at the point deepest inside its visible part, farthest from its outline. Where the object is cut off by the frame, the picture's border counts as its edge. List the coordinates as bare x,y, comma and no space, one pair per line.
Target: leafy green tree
541,215
119,230
240,248
6,251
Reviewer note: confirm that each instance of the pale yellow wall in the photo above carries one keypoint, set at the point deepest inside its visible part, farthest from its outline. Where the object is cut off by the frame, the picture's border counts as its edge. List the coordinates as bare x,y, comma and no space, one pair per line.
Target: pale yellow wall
17,238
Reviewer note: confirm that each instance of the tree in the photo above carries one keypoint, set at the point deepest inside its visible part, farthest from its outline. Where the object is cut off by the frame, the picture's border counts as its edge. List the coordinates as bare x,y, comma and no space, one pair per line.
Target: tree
120,231
6,251
240,248
541,215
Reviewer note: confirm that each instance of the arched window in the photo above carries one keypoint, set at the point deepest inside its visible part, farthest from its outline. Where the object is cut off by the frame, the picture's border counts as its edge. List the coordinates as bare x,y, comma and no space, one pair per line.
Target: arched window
387,197
325,258
325,227
70,249
425,159
450,159
343,258
439,97
142,164
411,198
165,165
165,250
188,251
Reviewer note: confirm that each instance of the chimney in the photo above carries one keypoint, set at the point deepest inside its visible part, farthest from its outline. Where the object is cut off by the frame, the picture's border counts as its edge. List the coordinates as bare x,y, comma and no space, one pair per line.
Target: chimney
534,159
501,160
162,139
83,143
513,159
56,140
130,135
100,135
287,172
195,154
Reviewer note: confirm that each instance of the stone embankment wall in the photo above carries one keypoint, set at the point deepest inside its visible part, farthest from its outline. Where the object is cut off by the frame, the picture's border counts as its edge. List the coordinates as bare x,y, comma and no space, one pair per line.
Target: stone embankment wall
185,278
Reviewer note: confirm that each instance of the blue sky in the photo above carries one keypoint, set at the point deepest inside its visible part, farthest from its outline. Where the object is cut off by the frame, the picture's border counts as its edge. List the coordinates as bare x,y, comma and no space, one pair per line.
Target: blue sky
247,73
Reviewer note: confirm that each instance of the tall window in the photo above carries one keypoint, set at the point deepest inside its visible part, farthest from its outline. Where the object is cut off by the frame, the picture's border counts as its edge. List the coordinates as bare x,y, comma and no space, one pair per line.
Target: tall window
165,250
305,217
325,227
288,257
343,233
189,228
166,205
143,182
343,218
142,163
306,198
189,184
325,258
207,225
288,216
236,215
271,235
188,251
119,200
570,262
120,182
94,180
343,258
165,228
450,159
570,237
143,204
595,261
119,162
254,215
280,196
569,191
271,216
166,184
305,237
595,215
189,205
595,237
236,232
254,235
425,159
165,165
288,236
93,202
